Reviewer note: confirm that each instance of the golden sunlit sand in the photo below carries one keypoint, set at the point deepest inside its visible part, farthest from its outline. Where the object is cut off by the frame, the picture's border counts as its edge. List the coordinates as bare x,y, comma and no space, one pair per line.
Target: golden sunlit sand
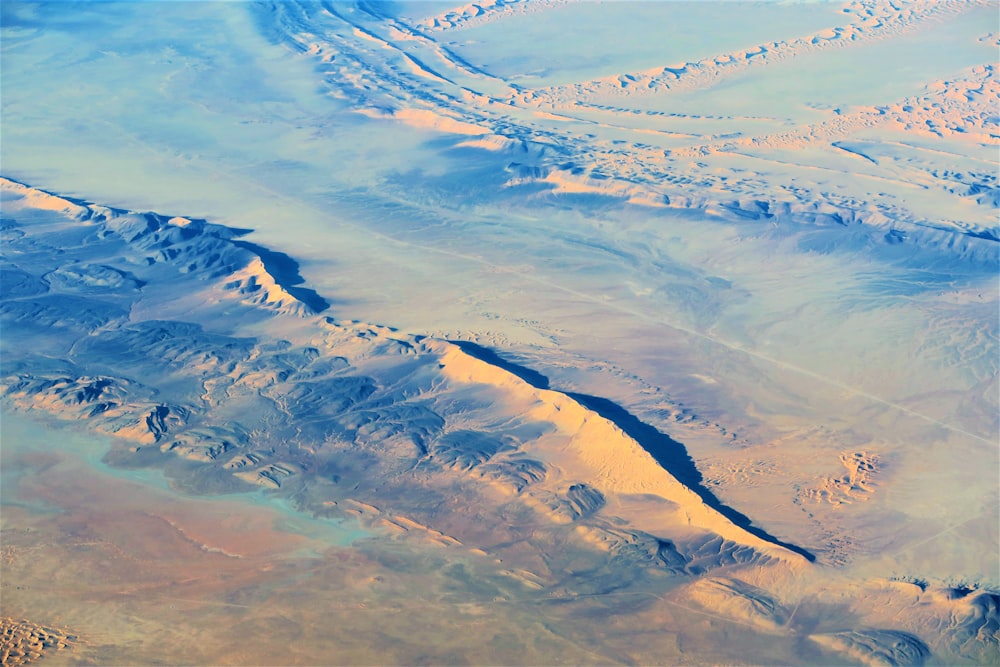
23,642
523,332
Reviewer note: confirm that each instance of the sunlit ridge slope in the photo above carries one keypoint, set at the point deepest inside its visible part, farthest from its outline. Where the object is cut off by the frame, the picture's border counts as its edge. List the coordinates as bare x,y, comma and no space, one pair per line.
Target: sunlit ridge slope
672,136
154,330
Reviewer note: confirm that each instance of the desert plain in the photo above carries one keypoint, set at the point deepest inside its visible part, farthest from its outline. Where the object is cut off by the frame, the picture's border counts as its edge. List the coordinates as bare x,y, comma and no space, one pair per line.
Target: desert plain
520,332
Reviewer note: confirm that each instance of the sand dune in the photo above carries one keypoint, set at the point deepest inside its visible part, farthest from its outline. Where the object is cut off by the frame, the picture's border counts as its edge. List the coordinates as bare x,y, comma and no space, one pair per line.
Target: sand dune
609,458
974,631
956,108
696,359
357,420
482,12
255,285
398,398
739,601
44,201
23,642
870,20
857,485
658,170
958,621
207,443
876,647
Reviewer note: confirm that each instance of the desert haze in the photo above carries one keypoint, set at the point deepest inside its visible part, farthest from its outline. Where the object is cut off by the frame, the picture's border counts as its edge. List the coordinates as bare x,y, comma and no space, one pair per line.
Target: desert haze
523,332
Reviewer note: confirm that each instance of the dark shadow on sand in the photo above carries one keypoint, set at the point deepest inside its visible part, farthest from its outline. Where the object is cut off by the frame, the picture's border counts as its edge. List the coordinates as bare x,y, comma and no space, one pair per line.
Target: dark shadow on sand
285,272
667,452
534,378
673,457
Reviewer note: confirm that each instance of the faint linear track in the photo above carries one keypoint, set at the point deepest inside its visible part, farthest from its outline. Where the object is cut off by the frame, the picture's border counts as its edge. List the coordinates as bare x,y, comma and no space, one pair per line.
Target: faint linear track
294,20
534,278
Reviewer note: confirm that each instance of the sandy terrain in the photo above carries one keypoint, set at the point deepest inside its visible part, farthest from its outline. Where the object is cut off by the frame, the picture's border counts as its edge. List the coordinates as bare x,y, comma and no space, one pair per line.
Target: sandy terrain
450,339
24,642
563,495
